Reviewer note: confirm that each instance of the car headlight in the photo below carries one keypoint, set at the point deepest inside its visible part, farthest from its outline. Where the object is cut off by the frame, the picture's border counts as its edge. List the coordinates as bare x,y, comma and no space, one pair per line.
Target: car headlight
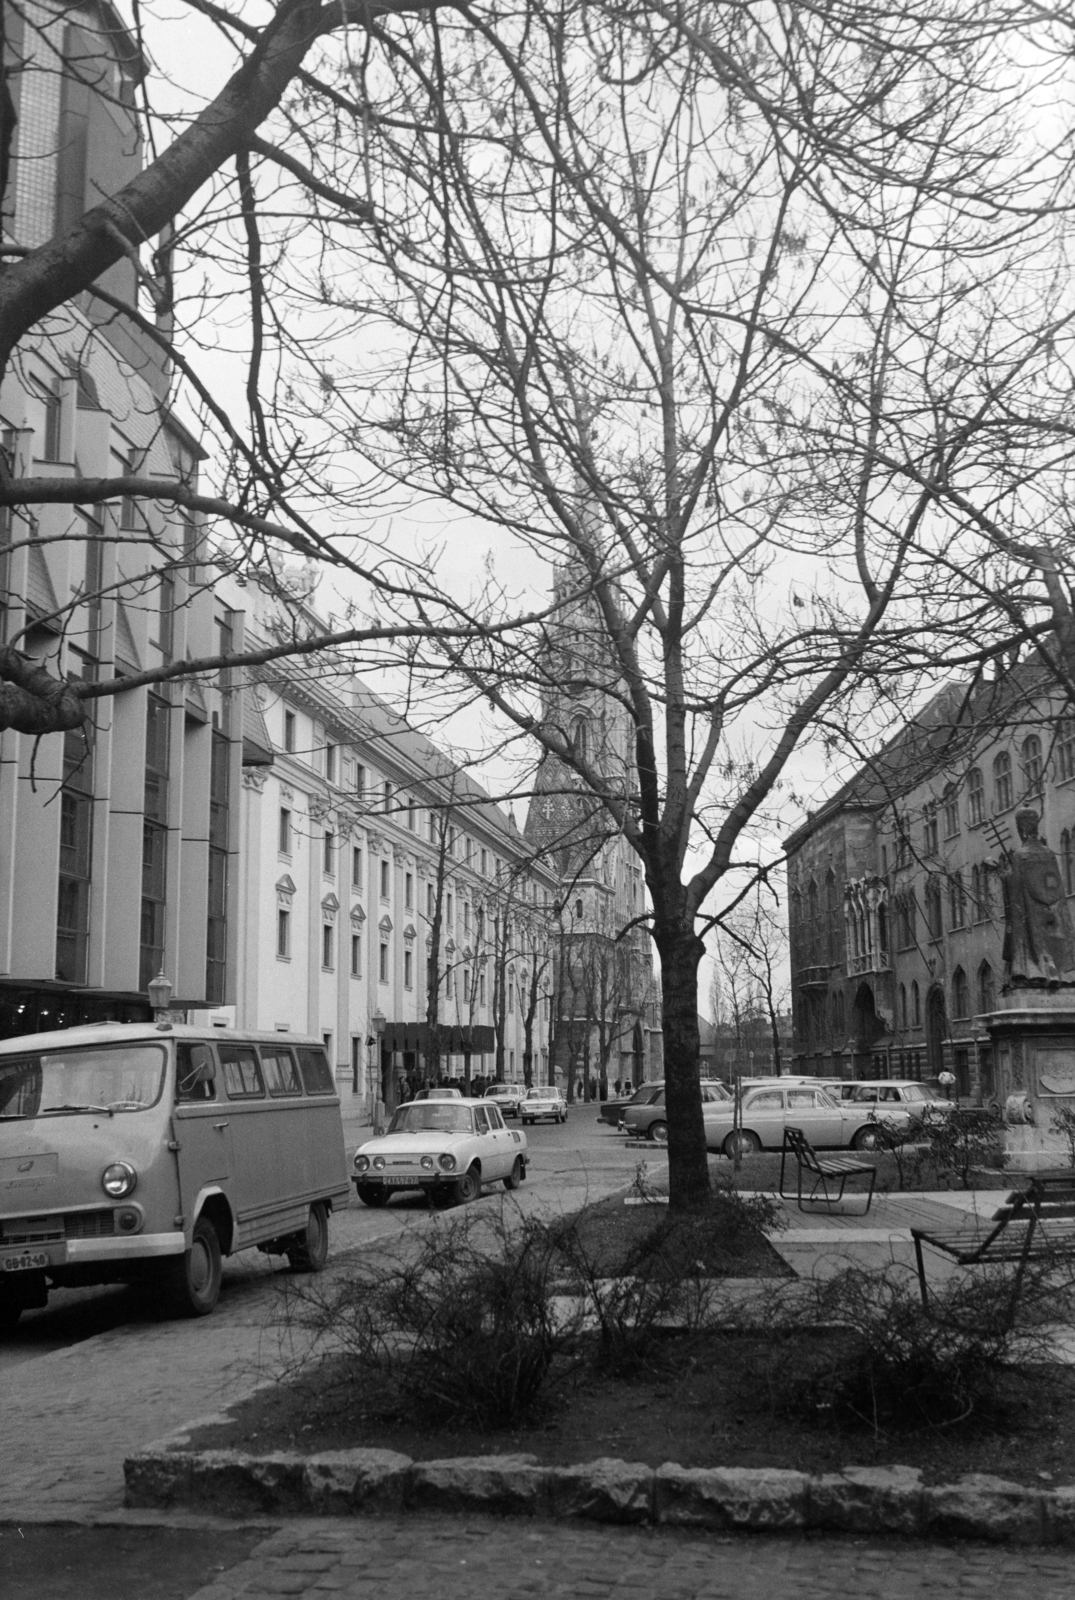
362,1163
118,1179
378,1163
427,1163
446,1163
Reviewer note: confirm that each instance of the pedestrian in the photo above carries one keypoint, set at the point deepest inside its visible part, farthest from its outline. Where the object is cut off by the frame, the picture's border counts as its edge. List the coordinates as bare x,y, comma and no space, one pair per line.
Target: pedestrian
947,1081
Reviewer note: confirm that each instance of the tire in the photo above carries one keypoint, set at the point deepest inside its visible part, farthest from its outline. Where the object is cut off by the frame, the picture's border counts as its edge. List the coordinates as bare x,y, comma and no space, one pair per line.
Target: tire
9,1316
563,1118
657,1132
470,1186
371,1195
192,1280
309,1252
869,1139
749,1144
441,1196
528,1122
515,1176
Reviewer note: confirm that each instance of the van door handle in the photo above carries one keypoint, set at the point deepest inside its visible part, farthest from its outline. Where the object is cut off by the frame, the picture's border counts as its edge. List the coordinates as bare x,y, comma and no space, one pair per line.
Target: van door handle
220,1124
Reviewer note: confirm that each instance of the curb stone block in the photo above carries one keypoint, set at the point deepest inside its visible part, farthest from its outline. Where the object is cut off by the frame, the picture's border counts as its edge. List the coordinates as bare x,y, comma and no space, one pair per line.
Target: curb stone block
866,1500
227,1482
339,1482
515,1484
605,1490
980,1506
730,1497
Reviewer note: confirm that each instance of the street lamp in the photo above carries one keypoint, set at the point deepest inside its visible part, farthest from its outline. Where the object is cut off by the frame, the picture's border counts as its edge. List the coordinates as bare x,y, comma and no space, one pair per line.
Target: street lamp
160,997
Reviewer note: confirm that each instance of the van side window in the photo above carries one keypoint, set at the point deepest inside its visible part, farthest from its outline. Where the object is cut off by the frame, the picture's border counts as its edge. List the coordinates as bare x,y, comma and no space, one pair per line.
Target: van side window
279,1071
316,1072
194,1072
242,1077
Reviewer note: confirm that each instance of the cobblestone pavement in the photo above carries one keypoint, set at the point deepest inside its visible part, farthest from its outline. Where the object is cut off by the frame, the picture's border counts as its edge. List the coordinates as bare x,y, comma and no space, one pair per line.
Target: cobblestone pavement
429,1558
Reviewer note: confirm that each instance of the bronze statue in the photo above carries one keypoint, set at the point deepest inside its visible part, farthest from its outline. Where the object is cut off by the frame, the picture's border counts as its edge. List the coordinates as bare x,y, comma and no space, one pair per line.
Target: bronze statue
1039,941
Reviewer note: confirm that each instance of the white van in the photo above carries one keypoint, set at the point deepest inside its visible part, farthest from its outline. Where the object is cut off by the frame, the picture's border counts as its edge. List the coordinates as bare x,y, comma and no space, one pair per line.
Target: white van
144,1152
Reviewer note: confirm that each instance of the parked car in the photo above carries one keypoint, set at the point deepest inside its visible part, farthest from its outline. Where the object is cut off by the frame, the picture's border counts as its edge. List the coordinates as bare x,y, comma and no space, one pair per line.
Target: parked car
646,1118
894,1102
827,1123
439,1094
507,1096
543,1102
448,1149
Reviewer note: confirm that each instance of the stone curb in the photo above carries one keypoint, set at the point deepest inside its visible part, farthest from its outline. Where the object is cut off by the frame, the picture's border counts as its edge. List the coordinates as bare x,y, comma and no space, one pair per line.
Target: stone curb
861,1500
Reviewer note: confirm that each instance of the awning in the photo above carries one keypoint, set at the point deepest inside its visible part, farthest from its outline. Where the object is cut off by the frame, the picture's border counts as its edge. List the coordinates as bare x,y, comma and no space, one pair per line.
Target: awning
257,745
452,1039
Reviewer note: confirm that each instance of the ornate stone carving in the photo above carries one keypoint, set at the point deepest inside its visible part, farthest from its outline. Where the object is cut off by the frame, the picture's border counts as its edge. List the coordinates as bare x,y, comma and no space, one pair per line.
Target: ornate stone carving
255,778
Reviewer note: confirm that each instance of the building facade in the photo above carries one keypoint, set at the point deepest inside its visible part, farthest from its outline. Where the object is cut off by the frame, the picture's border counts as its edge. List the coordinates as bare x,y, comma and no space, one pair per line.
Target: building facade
896,910
116,842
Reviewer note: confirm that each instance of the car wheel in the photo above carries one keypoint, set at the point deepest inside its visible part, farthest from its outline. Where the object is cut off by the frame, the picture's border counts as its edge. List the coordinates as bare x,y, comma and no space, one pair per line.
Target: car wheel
371,1195
658,1132
470,1185
309,1249
869,1139
515,1176
192,1280
563,1117
528,1122
747,1143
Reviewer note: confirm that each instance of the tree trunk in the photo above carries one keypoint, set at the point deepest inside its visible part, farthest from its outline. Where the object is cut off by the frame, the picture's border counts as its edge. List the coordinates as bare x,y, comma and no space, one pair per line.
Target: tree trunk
688,1165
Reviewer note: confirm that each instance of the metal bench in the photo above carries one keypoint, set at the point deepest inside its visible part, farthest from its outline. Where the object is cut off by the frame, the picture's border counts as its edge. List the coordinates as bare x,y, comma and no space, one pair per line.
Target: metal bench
823,1169
1034,1224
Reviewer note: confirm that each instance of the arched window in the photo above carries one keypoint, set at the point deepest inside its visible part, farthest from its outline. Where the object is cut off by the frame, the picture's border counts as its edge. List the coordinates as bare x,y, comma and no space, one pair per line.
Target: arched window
916,1006
934,923
975,796
957,901
951,811
1002,781
987,997
960,994
903,1005
1067,859
1032,765
832,911
580,739
813,941
882,932
1065,747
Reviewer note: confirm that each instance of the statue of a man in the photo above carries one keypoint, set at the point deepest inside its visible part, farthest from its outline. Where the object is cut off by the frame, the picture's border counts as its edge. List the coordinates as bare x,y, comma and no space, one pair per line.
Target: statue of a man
1039,941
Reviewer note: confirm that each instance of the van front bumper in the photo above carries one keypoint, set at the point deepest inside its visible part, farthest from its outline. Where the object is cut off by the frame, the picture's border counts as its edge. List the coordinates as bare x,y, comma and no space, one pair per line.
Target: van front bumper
63,1253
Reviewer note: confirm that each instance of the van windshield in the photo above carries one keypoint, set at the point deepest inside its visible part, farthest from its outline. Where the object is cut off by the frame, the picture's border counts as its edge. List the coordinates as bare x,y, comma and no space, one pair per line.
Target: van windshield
125,1077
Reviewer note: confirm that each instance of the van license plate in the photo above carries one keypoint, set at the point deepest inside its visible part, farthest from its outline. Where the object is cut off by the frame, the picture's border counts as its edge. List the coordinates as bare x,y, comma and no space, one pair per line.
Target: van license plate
28,1261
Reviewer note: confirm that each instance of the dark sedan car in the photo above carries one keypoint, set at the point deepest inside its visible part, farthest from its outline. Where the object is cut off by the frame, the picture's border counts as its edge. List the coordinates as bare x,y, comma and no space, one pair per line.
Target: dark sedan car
645,1117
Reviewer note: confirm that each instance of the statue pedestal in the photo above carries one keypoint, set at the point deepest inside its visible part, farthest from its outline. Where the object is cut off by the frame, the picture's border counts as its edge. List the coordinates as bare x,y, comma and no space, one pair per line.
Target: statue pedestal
1034,1056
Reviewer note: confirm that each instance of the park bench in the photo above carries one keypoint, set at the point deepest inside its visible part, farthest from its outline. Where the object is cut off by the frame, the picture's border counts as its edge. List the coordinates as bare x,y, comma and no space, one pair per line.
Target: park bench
1034,1224
824,1170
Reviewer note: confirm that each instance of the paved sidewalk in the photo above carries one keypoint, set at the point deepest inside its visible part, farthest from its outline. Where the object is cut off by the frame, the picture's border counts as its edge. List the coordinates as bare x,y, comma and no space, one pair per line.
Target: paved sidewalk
431,1558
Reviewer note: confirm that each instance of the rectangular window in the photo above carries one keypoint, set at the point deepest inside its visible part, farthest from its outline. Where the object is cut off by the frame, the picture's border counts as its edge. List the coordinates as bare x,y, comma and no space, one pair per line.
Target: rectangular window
166,617
382,966
283,934
279,1071
360,780
485,864
384,880
154,841
289,731
386,796
356,955
330,763
466,918
328,936
412,815
76,841
356,866
431,902
481,988
284,838
216,932
449,913
408,891
242,1074
408,969
466,985
328,864
326,1039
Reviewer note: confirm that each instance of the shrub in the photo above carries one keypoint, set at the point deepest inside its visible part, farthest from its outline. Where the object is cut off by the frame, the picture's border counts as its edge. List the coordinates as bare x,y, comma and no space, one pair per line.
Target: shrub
462,1332
1063,1122
901,1368
961,1140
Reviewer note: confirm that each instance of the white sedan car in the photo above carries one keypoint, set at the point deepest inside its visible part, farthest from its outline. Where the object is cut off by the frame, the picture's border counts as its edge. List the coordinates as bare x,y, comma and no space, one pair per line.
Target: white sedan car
543,1102
448,1148
827,1123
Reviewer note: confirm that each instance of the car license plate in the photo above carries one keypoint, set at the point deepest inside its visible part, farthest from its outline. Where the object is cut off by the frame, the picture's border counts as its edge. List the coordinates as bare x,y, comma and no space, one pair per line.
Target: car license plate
399,1183
26,1261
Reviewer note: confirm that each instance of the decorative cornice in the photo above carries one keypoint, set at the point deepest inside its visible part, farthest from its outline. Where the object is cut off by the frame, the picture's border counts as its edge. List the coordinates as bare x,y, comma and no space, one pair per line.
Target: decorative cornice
255,778
385,923
330,905
358,916
285,889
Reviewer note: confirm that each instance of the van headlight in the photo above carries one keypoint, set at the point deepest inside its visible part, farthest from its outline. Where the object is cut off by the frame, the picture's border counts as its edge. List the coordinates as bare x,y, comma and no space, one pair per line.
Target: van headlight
362,1163
118,1179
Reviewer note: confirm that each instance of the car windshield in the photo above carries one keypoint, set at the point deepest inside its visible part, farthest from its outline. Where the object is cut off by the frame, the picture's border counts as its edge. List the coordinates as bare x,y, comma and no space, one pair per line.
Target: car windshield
431,1117
540,1094
110,1079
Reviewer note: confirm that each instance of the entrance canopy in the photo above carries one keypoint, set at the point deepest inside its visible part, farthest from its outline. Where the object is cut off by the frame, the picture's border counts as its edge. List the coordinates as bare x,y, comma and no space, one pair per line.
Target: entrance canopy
451,1039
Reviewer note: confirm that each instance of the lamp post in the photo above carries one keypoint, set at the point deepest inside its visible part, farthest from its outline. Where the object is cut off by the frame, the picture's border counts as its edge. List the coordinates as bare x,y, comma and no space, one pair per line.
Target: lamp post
160,997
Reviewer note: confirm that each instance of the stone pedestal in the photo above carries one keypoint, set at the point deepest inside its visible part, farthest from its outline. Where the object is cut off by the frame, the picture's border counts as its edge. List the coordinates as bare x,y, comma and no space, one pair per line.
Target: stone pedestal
1034,1056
